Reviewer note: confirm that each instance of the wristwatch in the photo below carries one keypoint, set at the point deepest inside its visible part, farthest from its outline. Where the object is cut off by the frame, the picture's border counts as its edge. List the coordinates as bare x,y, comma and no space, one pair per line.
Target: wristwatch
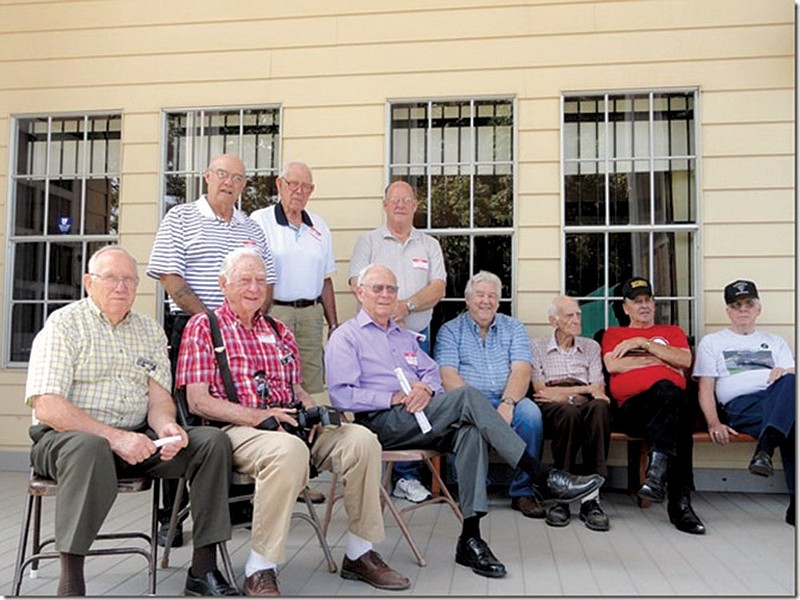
571,399
509,400
411,306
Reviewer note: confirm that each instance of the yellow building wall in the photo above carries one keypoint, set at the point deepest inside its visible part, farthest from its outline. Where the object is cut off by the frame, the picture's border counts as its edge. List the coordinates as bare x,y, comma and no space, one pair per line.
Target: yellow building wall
332,65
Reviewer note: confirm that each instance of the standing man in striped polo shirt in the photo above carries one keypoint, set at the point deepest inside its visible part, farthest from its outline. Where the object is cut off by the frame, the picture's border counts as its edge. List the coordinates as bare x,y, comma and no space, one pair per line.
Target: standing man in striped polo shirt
301,246
190,245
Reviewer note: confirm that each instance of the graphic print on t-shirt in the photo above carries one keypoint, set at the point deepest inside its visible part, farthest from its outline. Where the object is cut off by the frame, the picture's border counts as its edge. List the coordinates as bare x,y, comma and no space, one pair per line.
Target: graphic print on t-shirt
747,360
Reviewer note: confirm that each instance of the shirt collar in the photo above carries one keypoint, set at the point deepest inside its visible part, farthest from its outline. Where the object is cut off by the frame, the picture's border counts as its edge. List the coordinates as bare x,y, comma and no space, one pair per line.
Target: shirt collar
552,345
227,312
205,209
474,324
363,319
414,234
95,310
281,219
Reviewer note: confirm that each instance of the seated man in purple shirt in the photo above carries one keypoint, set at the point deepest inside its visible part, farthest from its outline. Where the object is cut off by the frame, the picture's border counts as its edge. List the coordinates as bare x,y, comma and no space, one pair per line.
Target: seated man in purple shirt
361,360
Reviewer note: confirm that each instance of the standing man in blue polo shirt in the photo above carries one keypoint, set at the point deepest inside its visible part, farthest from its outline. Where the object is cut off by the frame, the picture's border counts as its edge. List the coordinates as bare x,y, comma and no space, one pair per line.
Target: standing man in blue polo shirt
301,246
491,351
187,253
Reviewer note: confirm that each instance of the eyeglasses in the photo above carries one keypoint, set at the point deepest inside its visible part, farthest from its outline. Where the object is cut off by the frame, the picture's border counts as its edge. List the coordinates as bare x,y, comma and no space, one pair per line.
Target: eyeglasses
377,288
295,185
112,281
246,282
405,200
223,175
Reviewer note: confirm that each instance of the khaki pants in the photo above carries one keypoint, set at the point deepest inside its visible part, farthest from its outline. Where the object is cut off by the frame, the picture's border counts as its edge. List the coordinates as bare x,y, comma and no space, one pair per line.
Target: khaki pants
306,324
278,461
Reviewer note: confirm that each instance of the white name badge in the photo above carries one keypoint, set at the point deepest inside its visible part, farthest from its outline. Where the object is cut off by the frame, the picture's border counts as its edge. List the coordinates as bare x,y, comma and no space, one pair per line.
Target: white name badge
420,263
411,358
266,338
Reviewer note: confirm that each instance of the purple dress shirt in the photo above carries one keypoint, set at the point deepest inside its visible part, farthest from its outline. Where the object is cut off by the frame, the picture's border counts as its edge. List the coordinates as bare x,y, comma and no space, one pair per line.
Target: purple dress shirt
360,359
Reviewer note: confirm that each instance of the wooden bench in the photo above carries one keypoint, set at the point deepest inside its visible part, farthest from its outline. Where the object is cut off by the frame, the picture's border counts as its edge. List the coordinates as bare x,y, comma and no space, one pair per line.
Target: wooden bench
638,457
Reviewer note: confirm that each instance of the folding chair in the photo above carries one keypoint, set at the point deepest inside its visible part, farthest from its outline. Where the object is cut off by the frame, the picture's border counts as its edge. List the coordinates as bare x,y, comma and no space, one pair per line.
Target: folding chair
389,457
40,487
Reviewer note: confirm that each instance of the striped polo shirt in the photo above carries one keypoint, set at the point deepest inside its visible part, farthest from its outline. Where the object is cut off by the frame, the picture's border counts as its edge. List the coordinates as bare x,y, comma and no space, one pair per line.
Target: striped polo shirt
192,242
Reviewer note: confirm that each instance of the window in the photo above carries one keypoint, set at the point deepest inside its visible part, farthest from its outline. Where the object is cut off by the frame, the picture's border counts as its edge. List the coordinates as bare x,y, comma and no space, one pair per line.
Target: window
630,202
194,137
64,205
458,155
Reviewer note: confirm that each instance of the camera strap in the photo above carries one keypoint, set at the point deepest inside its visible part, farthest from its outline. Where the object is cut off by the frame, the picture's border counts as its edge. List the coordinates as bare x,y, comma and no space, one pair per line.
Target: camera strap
222,357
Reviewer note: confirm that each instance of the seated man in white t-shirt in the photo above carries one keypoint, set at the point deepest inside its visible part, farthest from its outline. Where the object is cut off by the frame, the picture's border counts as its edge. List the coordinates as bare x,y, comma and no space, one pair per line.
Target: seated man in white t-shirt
747,384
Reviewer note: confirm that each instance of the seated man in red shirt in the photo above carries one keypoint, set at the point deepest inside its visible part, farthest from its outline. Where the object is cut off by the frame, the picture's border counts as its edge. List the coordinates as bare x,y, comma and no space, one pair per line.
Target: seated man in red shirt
646,363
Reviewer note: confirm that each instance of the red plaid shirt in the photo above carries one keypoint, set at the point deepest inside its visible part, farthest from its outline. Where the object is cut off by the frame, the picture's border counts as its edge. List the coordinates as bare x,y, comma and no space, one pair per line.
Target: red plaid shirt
249,351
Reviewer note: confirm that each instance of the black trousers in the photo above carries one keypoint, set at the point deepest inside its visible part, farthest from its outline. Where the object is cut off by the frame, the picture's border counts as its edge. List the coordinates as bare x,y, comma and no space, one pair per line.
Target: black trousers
571,428
662,415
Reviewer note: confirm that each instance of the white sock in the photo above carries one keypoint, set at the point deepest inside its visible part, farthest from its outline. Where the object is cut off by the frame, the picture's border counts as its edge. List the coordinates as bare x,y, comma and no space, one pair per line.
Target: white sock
256,562
356,546
595,495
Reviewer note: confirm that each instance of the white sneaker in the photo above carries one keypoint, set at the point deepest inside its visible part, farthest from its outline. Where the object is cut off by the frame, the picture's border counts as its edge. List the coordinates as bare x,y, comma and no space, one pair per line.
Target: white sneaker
412,490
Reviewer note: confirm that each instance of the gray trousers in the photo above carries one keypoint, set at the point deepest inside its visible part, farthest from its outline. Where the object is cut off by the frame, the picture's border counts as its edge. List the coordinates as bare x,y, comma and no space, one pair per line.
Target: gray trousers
464,423
87,472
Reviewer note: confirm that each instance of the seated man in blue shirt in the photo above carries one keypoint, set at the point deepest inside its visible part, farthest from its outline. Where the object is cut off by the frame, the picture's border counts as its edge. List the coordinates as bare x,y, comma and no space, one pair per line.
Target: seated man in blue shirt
491,352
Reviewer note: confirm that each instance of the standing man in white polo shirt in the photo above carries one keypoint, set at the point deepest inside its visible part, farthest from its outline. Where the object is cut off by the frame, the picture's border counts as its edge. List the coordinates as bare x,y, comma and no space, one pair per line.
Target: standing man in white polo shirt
416,260
187,253
301,247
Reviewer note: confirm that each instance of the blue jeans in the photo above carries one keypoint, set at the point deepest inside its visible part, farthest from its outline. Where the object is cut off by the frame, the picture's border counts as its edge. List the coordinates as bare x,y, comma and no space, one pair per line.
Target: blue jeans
527,423
773,407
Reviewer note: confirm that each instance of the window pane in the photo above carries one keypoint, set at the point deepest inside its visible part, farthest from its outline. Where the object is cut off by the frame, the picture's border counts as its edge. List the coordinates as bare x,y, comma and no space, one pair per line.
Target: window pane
409,133
584,264
29,261
451,133
494,201
449,199
494,131
66,157
264,133
177,133
675,200
65,271
676,312
456,251
26,321
629,192
32,147
592,318
261,191
584,128
104,144
493,253
102,206
64,207
629,126
673,260
673,124
29,207
584,196
628,256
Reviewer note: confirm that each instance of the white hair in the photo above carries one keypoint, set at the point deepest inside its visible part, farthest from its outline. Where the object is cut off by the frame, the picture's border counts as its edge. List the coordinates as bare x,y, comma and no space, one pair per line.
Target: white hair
293,163
234,257
483,277
552,310
362,274
92,265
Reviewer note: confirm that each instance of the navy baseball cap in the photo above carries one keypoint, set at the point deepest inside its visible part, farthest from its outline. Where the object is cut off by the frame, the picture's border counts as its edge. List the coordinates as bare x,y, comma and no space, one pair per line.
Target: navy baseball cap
636,286
741,288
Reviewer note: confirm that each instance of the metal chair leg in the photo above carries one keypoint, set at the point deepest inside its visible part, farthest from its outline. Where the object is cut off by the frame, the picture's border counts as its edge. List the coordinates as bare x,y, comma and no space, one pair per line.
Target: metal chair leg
22,546
174,519
314,521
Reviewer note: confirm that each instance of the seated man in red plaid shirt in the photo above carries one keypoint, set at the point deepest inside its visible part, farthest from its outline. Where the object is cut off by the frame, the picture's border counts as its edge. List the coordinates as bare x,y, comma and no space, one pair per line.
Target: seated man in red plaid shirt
265,369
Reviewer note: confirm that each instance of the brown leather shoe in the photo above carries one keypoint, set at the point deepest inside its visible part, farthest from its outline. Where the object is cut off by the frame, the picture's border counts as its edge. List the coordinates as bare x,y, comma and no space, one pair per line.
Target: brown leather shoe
315,496
528,506
371,569
262,583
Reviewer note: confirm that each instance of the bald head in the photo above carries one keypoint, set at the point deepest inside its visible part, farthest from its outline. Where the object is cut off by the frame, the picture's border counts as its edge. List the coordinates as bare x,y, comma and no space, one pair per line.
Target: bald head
564,314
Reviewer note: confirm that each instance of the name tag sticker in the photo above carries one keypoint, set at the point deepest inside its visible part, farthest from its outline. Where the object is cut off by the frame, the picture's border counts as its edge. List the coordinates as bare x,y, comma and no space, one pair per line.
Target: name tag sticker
266,338
411,358
249,243
420,263
315,233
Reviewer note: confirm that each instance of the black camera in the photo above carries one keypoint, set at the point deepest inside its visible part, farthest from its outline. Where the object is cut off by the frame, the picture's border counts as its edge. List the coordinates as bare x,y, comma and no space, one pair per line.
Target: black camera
306,419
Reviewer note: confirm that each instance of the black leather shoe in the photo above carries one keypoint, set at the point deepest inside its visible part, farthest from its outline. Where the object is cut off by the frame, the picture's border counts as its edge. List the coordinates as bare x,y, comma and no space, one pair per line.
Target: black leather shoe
761,464
210,584
562,487
475,554
654,487
592,514
683,516
790,512
558,515
163,530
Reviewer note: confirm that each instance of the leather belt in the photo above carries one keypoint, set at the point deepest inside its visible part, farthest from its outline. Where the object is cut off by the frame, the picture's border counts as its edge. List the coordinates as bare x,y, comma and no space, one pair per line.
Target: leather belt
302,303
